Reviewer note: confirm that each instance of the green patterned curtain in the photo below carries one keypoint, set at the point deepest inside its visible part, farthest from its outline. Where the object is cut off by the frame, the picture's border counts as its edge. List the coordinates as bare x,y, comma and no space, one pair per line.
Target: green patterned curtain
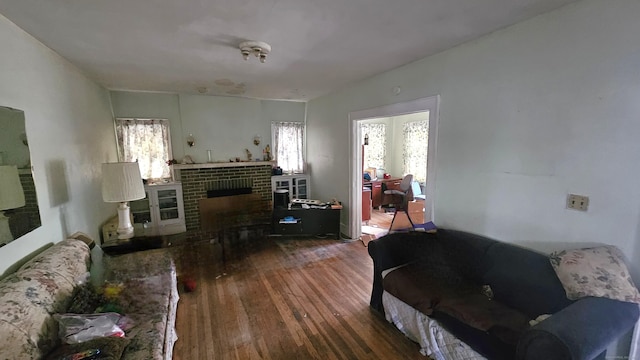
375,152
416,139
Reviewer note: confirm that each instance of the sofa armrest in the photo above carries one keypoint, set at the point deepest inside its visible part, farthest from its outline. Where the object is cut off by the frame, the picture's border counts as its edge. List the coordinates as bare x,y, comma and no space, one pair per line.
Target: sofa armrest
582,330
393,250
84,238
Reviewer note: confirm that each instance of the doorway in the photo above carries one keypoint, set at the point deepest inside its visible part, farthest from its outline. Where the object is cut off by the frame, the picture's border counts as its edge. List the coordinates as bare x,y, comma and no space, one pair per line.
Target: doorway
429,106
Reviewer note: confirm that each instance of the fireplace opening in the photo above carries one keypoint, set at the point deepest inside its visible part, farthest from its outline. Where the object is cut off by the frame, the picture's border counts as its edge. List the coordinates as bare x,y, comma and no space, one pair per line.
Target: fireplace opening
229,187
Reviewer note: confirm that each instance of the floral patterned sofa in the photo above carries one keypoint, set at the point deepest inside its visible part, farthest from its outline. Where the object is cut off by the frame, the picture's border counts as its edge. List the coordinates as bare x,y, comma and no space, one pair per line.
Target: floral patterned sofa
43,287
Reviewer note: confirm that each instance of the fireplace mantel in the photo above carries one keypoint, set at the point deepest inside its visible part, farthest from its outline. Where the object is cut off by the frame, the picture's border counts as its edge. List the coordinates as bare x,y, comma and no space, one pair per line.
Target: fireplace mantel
217,165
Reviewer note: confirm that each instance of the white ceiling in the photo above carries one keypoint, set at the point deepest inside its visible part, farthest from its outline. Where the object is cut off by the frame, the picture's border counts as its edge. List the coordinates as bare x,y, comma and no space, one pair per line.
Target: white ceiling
318,46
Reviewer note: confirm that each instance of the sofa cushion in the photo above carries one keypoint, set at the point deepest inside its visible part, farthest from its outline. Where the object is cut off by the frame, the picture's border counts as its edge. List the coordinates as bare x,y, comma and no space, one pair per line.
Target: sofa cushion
478,311
523,279
597,271
69,258
148,297
464,252
138,264
111,348
15,344
25,306
38,288
41,287
423,285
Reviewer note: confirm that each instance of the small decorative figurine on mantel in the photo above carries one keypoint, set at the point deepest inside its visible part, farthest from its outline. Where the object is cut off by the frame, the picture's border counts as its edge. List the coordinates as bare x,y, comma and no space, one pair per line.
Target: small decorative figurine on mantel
249,155
267,153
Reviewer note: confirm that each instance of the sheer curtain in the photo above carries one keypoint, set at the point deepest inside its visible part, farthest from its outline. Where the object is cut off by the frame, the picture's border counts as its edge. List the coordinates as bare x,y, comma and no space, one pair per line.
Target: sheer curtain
147,142
376,151
288,145
415,135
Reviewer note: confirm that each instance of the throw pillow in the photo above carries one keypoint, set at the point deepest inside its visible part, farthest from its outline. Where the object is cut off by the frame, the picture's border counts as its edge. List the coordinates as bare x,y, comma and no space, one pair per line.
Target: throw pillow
598,271
111,348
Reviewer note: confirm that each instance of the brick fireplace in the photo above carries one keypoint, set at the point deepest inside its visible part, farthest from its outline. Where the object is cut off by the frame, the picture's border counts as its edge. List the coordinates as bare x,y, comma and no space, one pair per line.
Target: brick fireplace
199,179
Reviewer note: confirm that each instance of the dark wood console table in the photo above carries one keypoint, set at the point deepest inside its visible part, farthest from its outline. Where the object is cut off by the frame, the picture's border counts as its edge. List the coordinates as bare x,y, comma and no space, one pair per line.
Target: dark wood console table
307,222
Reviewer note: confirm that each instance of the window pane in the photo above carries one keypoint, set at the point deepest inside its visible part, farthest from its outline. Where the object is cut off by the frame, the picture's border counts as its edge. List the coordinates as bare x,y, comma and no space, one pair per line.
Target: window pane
288,145
147,142
416,141
375,152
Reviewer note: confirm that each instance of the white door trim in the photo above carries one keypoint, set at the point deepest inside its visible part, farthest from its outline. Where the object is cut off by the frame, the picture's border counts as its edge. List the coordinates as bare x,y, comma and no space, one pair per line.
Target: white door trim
431,104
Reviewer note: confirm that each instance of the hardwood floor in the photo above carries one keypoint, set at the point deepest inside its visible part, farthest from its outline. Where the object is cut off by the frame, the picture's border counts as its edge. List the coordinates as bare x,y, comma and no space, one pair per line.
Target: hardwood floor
283,299
380,218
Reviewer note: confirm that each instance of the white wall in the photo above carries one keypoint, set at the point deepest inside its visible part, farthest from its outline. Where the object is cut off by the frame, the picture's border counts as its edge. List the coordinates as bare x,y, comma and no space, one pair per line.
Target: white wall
225,125
528,114
69,126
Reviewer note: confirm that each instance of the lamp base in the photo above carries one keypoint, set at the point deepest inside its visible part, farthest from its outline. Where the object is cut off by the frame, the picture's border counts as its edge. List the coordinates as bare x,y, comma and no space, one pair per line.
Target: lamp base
5,232
125,229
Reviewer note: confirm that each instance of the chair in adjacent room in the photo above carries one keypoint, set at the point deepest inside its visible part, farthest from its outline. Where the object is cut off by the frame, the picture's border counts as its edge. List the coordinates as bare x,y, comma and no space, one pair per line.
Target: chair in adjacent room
403,194
417,191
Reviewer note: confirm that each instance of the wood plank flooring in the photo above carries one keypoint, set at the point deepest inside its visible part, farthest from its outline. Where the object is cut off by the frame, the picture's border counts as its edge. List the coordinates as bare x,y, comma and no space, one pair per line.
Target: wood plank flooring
283,299
380,218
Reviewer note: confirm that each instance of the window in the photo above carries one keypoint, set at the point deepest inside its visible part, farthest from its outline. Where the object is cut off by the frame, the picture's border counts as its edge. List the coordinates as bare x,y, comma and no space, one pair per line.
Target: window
415,135
147,142
375,152
288,146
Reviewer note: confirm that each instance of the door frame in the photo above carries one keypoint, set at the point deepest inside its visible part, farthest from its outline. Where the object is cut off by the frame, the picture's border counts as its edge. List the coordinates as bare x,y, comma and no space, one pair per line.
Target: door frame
430,104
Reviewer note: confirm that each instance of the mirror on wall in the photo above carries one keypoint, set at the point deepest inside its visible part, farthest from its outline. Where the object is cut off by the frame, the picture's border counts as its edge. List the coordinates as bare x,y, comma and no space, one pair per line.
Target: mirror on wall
19,213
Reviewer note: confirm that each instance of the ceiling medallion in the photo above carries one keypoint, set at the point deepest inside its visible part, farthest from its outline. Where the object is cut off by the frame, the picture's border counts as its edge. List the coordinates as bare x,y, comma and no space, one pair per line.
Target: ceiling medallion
258,48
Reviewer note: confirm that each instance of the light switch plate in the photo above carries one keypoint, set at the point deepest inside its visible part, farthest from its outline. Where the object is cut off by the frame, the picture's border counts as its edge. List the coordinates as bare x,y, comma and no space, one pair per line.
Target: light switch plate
577,202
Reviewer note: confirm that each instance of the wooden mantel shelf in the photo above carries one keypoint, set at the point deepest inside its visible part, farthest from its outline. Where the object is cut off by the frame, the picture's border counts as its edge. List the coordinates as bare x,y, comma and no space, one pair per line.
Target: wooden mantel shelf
222,165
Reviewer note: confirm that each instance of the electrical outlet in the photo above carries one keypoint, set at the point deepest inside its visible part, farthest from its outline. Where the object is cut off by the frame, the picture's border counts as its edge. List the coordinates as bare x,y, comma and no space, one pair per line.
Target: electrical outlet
577,202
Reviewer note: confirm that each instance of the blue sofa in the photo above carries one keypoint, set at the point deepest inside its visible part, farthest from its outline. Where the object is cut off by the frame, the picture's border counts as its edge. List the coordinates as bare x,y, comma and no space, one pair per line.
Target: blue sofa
523,285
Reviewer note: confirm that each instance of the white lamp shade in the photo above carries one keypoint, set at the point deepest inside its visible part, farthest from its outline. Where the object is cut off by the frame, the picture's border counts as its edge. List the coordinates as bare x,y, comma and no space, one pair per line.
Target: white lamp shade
11,193
121,182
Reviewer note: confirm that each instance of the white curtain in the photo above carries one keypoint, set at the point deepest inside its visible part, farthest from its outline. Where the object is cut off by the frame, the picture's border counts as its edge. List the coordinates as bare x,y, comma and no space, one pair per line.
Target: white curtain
376,151
148,143
288,145
415,135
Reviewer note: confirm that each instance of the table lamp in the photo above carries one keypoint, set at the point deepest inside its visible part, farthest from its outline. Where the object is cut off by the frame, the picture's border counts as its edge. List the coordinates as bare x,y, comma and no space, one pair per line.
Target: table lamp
121,182
11,197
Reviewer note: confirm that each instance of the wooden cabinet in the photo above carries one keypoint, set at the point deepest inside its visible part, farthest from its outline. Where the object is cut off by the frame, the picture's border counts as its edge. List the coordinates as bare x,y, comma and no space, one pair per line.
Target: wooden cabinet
376,194
161,212
366,204
297,185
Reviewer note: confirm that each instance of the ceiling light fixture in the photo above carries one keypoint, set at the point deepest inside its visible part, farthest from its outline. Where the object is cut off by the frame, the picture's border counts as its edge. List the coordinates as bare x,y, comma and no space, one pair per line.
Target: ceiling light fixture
258,48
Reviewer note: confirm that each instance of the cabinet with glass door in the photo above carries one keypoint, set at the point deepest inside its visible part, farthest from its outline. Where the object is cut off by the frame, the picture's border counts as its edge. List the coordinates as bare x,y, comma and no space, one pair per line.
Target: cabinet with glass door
161,212
297,185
